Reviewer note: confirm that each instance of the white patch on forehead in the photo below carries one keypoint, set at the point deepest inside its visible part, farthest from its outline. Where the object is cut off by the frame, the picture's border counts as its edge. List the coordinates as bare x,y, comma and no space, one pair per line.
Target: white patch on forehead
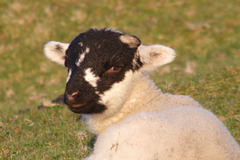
81,58
90,77
87,50
80,44
69,75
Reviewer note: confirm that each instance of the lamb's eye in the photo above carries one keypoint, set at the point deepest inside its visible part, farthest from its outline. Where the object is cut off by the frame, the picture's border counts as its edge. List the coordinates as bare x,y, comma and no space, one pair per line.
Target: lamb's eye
113,70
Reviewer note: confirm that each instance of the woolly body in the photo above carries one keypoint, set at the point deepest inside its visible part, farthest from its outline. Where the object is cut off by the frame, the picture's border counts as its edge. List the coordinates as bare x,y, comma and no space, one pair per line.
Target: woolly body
108,82
161,126
177,133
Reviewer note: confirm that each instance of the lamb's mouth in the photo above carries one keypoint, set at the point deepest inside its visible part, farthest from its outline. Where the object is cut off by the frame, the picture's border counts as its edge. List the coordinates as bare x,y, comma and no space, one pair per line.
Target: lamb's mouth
87,107
76,107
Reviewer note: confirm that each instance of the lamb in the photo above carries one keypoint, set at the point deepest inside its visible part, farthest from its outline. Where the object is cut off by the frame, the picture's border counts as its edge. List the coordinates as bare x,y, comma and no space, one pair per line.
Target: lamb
108,84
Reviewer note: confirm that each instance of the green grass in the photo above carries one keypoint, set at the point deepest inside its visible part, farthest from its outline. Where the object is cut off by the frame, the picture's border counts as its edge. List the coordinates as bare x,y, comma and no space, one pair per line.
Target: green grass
48,133
205,34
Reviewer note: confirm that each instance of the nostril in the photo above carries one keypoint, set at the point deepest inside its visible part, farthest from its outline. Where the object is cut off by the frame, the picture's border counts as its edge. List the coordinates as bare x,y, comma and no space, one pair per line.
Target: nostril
75,94
71,97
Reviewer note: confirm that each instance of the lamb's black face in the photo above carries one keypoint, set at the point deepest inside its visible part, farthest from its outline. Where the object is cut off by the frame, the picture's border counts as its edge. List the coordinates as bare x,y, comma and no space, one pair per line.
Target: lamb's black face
96,60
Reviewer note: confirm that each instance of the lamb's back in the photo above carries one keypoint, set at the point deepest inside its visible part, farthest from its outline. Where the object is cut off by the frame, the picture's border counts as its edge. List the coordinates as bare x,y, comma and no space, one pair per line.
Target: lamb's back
177,133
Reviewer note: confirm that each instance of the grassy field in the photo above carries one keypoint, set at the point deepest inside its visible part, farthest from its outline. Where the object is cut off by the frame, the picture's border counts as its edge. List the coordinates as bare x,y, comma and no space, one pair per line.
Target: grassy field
205,34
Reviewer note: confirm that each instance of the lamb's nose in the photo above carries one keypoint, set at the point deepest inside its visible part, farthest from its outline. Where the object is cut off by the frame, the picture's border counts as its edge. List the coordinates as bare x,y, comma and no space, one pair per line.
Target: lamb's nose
72,97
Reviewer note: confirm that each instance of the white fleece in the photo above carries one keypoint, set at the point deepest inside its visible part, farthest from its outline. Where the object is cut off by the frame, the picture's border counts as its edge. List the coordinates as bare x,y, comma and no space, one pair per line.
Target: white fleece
179,133
153,125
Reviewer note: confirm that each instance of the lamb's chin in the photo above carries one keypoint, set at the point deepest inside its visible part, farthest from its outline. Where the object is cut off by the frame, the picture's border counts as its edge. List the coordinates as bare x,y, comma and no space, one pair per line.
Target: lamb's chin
78,105
87,108
74,109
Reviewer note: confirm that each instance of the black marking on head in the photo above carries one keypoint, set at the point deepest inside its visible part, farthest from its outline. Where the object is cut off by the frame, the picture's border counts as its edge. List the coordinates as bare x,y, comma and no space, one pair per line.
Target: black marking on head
106,51
67,60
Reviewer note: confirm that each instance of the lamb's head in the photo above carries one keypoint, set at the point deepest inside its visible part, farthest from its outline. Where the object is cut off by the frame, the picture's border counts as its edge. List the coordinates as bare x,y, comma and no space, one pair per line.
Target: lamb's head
103,65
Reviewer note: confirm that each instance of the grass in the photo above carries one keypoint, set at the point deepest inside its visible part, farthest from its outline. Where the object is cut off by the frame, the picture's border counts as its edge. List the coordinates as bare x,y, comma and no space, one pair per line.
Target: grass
49,133
205,34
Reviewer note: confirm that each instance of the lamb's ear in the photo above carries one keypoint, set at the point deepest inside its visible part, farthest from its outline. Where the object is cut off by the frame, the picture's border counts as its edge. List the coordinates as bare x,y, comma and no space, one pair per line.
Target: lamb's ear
154,56
55,51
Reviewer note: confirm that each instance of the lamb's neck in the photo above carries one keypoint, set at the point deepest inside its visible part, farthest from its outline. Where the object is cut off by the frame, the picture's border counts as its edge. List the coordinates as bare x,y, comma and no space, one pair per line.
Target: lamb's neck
143,93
